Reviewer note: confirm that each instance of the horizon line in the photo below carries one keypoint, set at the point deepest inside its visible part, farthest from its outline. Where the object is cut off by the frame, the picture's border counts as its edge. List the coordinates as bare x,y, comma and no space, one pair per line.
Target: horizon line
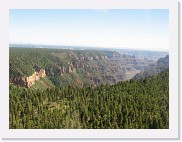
86,46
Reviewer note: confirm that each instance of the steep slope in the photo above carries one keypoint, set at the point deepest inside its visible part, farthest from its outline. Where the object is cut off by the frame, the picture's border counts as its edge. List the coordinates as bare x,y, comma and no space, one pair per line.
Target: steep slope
153,69
134,104
73,67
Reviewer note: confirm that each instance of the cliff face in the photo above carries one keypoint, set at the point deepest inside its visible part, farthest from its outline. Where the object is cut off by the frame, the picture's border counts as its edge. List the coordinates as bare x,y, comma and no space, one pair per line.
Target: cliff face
110,69
42,73
153,69
28,81
80,63
68,69
79,67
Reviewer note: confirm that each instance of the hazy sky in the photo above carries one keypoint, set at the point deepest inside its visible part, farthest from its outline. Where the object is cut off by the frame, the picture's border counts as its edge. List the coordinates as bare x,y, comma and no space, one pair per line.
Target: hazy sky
136,29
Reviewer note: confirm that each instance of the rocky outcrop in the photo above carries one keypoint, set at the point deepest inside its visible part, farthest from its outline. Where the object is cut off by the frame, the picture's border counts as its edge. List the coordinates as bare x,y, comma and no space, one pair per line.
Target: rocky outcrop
28,81
83,58
67,69
78,64
42,73
88,58
62,70
96,58
72,66
103,57
70,69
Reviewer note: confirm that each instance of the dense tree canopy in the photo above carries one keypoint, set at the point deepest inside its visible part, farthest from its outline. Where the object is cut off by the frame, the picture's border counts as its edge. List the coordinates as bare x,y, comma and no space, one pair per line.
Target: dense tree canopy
24,61
133,104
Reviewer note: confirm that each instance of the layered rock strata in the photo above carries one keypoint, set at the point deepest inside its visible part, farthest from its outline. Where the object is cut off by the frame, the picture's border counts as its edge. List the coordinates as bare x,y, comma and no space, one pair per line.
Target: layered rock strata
27,81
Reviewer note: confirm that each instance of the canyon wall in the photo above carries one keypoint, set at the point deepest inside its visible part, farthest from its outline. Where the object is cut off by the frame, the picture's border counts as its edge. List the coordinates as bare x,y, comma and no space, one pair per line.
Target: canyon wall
28,81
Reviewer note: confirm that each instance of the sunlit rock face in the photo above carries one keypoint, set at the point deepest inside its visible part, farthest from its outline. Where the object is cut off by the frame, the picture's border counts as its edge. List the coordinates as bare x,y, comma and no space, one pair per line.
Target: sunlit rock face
28,81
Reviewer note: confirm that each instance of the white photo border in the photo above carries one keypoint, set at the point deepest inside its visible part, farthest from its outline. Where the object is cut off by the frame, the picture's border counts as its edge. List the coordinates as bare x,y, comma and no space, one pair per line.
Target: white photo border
171,133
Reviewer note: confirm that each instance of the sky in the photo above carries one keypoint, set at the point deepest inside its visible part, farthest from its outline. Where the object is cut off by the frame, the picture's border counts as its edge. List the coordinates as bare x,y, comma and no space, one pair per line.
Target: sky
113,28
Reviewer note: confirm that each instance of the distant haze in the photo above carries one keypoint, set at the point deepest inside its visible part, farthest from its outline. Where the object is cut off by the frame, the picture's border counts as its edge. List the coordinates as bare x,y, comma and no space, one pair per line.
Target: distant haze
131,29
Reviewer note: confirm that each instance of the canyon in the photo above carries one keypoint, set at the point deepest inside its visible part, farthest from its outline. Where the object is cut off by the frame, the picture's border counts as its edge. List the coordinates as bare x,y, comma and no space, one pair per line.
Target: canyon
72,67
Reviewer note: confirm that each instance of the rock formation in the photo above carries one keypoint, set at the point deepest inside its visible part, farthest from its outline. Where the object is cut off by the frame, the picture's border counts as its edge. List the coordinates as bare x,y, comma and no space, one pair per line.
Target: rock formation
42,73
28,81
